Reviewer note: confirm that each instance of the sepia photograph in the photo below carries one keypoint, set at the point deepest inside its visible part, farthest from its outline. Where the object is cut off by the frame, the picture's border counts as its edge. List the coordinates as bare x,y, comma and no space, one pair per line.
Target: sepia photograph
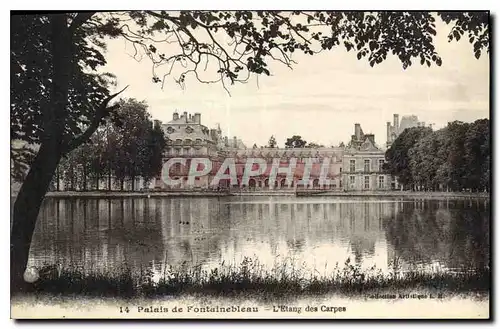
250,164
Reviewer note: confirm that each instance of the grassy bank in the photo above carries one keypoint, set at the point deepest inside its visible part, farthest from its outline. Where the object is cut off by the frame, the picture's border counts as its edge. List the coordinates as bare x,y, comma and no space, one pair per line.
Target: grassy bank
250,278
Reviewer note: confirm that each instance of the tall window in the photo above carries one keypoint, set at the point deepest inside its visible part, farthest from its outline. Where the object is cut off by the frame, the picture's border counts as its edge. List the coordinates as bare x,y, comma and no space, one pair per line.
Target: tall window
381,181
367,165
380,165
352,180
367,182
352,165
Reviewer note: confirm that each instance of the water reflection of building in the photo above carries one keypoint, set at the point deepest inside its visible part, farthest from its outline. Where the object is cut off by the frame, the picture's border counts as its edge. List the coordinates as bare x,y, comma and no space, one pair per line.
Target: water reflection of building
98,235
158,233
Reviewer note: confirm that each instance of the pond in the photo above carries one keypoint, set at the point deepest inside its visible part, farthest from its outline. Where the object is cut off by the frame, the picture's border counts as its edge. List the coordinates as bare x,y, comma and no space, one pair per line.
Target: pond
311,233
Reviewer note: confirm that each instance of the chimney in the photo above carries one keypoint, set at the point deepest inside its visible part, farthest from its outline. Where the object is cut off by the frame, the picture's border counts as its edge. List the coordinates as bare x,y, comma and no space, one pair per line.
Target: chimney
235,142
190,116
357,131
371,137
197,118
176,116
226,141
388,130
396,122
185,116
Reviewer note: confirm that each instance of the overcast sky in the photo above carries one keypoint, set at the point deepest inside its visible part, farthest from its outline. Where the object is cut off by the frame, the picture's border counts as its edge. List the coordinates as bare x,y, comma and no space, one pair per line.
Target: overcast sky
323,96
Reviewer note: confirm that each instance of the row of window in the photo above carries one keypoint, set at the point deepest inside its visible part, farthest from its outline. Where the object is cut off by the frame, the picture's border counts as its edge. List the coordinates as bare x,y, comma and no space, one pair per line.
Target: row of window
186,141
366,185
186,151
367,165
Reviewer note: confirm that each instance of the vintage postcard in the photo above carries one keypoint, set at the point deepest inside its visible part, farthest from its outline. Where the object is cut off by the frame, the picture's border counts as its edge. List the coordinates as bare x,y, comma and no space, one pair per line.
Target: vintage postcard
250,164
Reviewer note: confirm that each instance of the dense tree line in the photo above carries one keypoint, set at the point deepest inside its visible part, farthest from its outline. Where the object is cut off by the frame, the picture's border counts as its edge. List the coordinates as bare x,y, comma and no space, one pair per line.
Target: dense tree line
126,147
454,158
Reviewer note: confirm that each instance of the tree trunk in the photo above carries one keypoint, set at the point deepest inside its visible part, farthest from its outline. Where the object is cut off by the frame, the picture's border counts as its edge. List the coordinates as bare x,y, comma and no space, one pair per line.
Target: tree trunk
84,179
57,182
26,208
109,178
72,181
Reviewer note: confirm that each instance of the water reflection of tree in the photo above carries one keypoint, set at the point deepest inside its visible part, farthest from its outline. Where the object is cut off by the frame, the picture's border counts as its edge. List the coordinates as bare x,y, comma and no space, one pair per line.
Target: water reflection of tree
471,230
451,233
142,232
89,233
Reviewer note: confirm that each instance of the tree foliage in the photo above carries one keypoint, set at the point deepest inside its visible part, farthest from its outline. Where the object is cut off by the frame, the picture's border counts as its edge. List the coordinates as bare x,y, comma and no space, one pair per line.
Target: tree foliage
314,145
272,142
295,141
32,77
128,146
456,157
398,157
243,42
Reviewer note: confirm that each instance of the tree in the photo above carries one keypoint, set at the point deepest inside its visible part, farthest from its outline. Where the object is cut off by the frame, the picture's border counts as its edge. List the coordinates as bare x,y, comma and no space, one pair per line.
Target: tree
255,146
477,155
314,145
455,157
294,142
426,162
134,126
59,98
272,142
154,152
398,155
127,146
456,131
57,102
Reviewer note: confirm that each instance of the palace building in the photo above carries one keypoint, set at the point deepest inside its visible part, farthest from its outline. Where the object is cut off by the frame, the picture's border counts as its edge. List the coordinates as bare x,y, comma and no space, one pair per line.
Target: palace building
394,130
362,163
356,167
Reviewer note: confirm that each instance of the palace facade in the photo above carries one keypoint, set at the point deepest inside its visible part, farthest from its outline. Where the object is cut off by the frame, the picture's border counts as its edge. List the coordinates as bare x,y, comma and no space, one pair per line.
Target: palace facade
356,167
362,164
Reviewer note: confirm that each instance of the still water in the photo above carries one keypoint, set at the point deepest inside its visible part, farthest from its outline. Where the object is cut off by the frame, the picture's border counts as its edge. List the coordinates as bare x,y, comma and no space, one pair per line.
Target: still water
313,233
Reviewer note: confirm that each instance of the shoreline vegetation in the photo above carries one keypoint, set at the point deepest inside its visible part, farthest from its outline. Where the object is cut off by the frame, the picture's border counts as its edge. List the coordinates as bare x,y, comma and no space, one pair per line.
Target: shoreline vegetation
249,278
311,193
